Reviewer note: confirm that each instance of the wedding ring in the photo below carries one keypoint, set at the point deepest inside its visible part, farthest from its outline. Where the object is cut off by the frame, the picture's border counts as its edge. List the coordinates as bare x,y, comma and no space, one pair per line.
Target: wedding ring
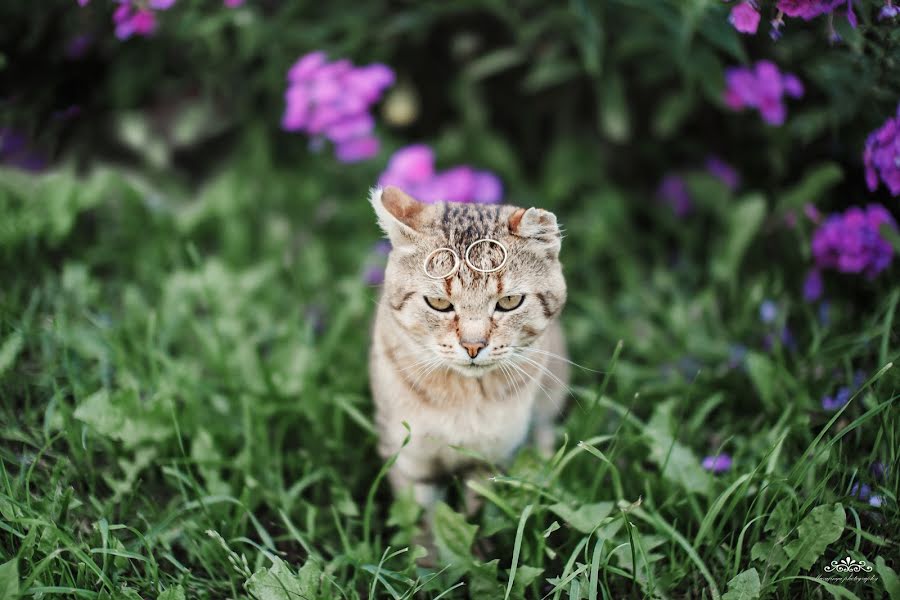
449,273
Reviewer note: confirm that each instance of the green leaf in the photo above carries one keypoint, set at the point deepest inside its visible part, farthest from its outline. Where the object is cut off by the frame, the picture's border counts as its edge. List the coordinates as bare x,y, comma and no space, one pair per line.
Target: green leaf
173,593
678,462
123,416
9,580
821,527
615,122
891,235
762,374
743,586
743,223
888,578
586,518
453,536
279,583
494,62
814,184
671,113
9,351
525,575
768,553
483,581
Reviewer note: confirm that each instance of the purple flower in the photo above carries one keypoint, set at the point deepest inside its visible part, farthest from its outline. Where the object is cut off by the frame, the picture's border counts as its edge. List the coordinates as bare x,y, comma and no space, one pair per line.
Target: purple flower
412,169
78,46
17,151
813,286
840,398
673,191
382,248
133,21
812,213
879,470
768,311
233,3
864,492
374,275
851,242
762,87
807,9
888,11
83,2
357,149
844,393
718,463
882,156
744,17
724,172
332,101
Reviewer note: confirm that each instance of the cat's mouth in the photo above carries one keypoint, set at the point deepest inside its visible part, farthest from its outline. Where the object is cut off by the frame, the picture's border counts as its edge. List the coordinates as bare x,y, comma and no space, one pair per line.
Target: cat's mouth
474,369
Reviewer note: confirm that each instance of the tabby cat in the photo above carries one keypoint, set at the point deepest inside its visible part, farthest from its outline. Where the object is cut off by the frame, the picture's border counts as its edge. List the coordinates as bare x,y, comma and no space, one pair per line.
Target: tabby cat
473,360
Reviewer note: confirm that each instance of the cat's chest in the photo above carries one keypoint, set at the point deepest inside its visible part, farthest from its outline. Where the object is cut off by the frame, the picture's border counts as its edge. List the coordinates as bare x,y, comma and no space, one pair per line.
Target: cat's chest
491,426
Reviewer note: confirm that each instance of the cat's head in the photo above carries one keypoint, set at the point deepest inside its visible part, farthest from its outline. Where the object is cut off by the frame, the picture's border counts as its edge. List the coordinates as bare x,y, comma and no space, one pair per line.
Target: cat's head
472,321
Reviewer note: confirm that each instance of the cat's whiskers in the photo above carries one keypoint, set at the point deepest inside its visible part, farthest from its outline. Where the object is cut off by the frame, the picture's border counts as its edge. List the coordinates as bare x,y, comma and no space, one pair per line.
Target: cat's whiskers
557,357
544,370
533,379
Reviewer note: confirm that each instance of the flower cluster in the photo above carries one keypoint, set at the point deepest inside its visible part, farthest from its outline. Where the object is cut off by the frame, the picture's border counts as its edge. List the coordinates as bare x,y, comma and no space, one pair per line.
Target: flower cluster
412,169
882,156
851,242
762,87
331,100
810,9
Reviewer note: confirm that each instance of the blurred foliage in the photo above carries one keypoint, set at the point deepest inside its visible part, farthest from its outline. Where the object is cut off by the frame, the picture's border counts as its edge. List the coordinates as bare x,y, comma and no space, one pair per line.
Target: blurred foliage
183,323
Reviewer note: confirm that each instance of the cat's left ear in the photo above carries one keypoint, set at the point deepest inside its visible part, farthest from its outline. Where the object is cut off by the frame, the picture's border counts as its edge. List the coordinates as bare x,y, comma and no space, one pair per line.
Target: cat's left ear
400,215
538,225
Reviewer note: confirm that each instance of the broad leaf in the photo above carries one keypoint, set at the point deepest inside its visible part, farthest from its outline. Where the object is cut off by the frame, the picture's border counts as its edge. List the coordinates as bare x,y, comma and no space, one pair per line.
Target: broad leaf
173,593
889,578
821,527
279,583
453,536
586,517
9,580
743,586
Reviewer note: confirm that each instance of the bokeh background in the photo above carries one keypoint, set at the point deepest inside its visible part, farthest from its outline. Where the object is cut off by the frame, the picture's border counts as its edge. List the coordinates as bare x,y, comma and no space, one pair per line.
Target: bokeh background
189,265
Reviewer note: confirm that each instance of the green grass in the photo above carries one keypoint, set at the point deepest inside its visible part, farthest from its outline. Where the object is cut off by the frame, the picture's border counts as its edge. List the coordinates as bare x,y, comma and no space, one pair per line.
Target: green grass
185,410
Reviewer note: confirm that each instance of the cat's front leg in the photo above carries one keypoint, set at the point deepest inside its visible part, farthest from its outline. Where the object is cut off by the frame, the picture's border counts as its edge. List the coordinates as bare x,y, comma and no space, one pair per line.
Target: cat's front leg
425,493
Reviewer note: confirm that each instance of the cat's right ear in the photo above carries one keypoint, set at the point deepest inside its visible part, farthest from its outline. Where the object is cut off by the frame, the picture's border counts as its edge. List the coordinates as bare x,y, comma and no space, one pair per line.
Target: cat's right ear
399,214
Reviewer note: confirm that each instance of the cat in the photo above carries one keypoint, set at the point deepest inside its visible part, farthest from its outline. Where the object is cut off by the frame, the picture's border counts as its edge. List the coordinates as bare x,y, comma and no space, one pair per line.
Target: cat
473,360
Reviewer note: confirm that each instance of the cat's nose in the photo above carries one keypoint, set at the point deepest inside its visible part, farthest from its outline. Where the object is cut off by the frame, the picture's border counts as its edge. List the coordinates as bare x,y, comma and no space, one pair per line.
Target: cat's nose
473,347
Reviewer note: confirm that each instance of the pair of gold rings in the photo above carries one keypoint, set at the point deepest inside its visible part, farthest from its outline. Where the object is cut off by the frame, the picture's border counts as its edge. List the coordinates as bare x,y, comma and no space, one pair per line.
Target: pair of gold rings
456,260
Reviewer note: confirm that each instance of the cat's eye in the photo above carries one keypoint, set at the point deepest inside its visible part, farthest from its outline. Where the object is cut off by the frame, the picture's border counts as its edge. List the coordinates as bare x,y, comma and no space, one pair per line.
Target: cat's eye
507,303
439,304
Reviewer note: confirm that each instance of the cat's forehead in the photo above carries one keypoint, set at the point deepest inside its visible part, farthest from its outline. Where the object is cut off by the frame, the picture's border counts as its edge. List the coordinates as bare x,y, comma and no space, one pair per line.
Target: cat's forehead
461,224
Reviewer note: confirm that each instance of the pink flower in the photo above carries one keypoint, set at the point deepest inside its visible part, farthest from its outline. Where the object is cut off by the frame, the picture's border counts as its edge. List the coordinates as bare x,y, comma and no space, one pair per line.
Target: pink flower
332,100
234,3
762,87
131,21
412,169
744,17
